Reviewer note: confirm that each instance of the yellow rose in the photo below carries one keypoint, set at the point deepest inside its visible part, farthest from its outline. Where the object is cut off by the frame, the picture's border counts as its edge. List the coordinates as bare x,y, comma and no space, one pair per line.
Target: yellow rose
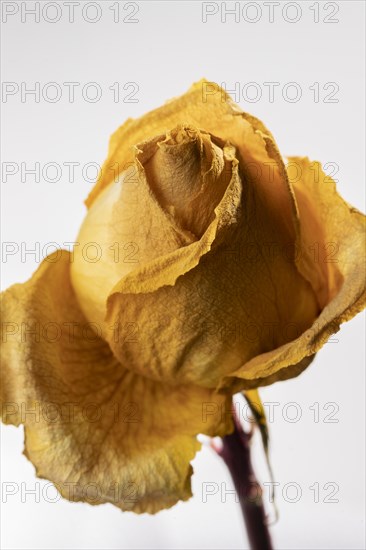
203,268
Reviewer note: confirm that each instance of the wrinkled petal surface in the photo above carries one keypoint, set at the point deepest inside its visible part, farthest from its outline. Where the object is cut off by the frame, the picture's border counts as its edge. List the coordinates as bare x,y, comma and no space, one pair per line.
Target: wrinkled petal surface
141,237
331,255
204,304
207,106
199,320
100,432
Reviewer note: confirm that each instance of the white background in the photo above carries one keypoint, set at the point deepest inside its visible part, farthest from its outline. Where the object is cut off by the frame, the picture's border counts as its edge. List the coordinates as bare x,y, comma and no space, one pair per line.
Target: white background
168,49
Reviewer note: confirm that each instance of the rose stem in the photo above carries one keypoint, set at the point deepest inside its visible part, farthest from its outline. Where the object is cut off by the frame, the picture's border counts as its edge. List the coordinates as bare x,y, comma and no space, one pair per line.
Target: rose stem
236,454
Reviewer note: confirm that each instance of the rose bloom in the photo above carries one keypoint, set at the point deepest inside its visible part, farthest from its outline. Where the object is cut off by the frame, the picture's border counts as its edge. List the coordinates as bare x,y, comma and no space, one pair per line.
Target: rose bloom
204,267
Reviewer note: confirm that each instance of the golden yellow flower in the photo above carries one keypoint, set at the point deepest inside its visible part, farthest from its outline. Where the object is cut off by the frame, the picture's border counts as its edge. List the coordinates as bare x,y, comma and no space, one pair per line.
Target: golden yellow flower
202,268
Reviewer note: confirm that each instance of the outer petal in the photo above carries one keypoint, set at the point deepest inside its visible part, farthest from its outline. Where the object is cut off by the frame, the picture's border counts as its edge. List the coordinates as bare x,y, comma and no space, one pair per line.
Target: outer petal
100,432
331,254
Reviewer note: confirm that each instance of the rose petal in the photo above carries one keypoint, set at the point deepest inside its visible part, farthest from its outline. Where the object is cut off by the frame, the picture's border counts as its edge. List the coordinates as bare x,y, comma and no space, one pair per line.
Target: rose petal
227,289
271,293
187,172
98,431
201,321
209,107
141,246
331,255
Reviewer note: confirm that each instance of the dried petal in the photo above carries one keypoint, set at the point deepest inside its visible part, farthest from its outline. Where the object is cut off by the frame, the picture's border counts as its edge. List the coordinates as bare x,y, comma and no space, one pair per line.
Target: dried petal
98,431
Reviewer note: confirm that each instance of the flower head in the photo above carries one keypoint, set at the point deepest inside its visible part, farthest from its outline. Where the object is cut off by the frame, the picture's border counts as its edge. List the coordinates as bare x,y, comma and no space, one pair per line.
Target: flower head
205,284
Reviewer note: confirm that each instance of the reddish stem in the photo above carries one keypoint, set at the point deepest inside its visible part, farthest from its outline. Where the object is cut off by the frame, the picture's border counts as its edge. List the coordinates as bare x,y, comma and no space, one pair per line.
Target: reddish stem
236,454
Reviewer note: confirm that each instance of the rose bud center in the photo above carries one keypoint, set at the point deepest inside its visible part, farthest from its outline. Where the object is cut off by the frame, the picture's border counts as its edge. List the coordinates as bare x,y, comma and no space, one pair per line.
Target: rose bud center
164,200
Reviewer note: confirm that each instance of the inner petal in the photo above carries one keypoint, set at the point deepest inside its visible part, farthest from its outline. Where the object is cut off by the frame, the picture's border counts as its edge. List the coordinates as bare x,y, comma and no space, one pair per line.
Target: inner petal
187,173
